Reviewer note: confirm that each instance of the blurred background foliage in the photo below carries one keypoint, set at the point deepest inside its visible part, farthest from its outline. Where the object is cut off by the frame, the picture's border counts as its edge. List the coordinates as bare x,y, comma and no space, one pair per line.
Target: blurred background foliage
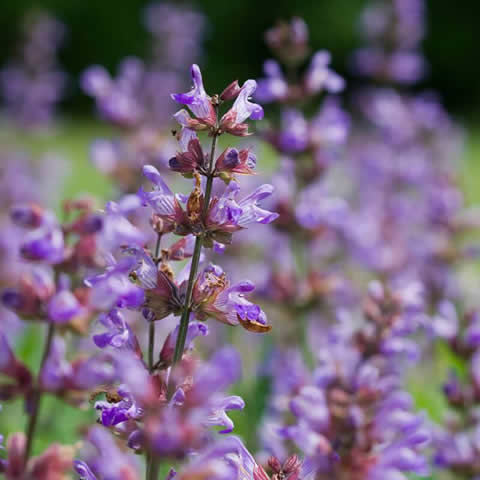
106,31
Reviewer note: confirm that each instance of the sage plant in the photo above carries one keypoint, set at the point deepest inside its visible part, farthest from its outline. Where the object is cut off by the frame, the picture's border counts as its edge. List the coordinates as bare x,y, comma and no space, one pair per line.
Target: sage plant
167,400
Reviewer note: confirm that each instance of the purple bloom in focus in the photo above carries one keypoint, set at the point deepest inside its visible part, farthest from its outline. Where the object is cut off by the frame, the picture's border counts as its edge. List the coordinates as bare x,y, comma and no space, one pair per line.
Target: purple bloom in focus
228,211
242,109
213,296
197,99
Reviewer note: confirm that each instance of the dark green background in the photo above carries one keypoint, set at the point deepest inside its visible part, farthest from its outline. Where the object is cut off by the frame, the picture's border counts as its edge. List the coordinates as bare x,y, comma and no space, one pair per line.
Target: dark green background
104,31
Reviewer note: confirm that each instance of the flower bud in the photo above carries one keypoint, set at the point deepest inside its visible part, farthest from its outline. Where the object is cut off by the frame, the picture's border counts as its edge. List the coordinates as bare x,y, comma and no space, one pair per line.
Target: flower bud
231,91
291,464
275,464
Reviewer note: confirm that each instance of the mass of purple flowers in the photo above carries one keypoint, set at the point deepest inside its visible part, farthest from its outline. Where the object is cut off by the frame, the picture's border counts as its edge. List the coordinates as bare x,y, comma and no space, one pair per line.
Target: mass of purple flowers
337,239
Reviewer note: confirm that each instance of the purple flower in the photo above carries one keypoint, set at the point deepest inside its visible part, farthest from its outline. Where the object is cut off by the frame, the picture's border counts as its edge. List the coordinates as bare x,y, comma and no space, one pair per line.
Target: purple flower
58,375
320,77
119,100
44,242
213,296
242,109
106,460
56,369
63,307
218,416
197,99
105,155
117,229
445,323
274,87
332,211
295,133
114,413
83,470
222,370
118,335
330,127
235,161
245,109
195,329
161,199
114,288
227,211
33,83
187,134
177,32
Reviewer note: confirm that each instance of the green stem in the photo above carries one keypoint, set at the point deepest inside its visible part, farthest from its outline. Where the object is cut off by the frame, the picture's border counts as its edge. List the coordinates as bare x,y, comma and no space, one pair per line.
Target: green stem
37,395
152,472
187,306
151,327
151,345
151,351
182,333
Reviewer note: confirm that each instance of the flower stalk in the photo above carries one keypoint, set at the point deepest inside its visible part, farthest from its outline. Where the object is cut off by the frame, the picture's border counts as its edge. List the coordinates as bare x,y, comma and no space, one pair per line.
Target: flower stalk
37,396
182,334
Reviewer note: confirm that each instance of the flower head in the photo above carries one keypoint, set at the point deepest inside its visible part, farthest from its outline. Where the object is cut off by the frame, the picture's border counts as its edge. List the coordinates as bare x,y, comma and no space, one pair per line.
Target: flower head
242,109
197,99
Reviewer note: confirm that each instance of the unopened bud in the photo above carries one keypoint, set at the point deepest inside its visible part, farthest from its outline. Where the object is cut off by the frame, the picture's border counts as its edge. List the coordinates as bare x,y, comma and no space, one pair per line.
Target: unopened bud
291,464
259,473
231,91
275,464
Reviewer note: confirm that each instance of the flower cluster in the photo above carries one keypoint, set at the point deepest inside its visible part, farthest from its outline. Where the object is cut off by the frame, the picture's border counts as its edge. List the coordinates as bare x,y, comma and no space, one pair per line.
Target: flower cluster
456,441
393,31
33,83
351,417
290,43
49,290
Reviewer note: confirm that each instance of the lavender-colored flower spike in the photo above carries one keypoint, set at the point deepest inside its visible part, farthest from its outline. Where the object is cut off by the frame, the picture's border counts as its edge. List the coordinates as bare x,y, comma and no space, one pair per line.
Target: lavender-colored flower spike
33,84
